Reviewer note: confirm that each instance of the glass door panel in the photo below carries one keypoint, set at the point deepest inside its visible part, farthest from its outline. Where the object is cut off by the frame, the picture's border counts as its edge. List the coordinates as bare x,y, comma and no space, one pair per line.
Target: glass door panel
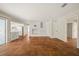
2,31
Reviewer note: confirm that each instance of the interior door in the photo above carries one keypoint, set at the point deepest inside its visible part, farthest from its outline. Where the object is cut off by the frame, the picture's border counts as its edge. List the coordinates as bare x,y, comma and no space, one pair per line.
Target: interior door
69,30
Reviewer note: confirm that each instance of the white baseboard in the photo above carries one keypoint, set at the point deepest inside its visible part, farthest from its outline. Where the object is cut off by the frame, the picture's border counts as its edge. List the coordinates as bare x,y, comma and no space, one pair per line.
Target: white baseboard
38,35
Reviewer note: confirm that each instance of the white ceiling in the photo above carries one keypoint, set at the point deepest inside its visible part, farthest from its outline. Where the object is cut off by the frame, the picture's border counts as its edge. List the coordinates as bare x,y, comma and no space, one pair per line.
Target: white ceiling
37,11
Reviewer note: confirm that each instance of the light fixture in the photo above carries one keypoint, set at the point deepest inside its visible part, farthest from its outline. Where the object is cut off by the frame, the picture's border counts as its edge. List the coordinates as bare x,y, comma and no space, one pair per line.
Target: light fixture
64,5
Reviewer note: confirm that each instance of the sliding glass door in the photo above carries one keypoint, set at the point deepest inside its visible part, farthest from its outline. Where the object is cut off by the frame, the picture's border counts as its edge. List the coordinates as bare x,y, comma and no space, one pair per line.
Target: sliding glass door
2,31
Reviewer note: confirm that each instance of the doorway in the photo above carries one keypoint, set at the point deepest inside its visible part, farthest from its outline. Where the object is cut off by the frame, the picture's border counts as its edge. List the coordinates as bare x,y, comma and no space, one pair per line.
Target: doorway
16,30
69,30
72,34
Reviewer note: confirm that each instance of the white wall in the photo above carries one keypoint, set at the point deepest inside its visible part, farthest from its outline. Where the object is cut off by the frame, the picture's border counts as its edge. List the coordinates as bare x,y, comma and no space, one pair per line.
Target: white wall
78,33
37,31
59,29
25,29
60,25
70,19
54,28
49,27
74,30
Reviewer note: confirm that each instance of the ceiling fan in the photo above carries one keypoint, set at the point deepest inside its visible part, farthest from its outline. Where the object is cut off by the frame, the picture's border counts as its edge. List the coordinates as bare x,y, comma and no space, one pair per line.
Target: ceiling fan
64,5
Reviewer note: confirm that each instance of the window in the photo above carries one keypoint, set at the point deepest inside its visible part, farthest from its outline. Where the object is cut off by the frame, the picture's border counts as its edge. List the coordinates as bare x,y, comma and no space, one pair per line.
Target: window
2,31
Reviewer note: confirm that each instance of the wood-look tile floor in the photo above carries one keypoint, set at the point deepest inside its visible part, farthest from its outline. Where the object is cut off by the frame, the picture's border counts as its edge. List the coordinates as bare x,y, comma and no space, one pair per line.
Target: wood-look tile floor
38,46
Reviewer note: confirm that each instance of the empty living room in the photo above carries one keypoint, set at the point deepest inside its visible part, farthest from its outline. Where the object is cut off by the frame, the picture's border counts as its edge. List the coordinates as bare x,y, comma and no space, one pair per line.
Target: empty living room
39,29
